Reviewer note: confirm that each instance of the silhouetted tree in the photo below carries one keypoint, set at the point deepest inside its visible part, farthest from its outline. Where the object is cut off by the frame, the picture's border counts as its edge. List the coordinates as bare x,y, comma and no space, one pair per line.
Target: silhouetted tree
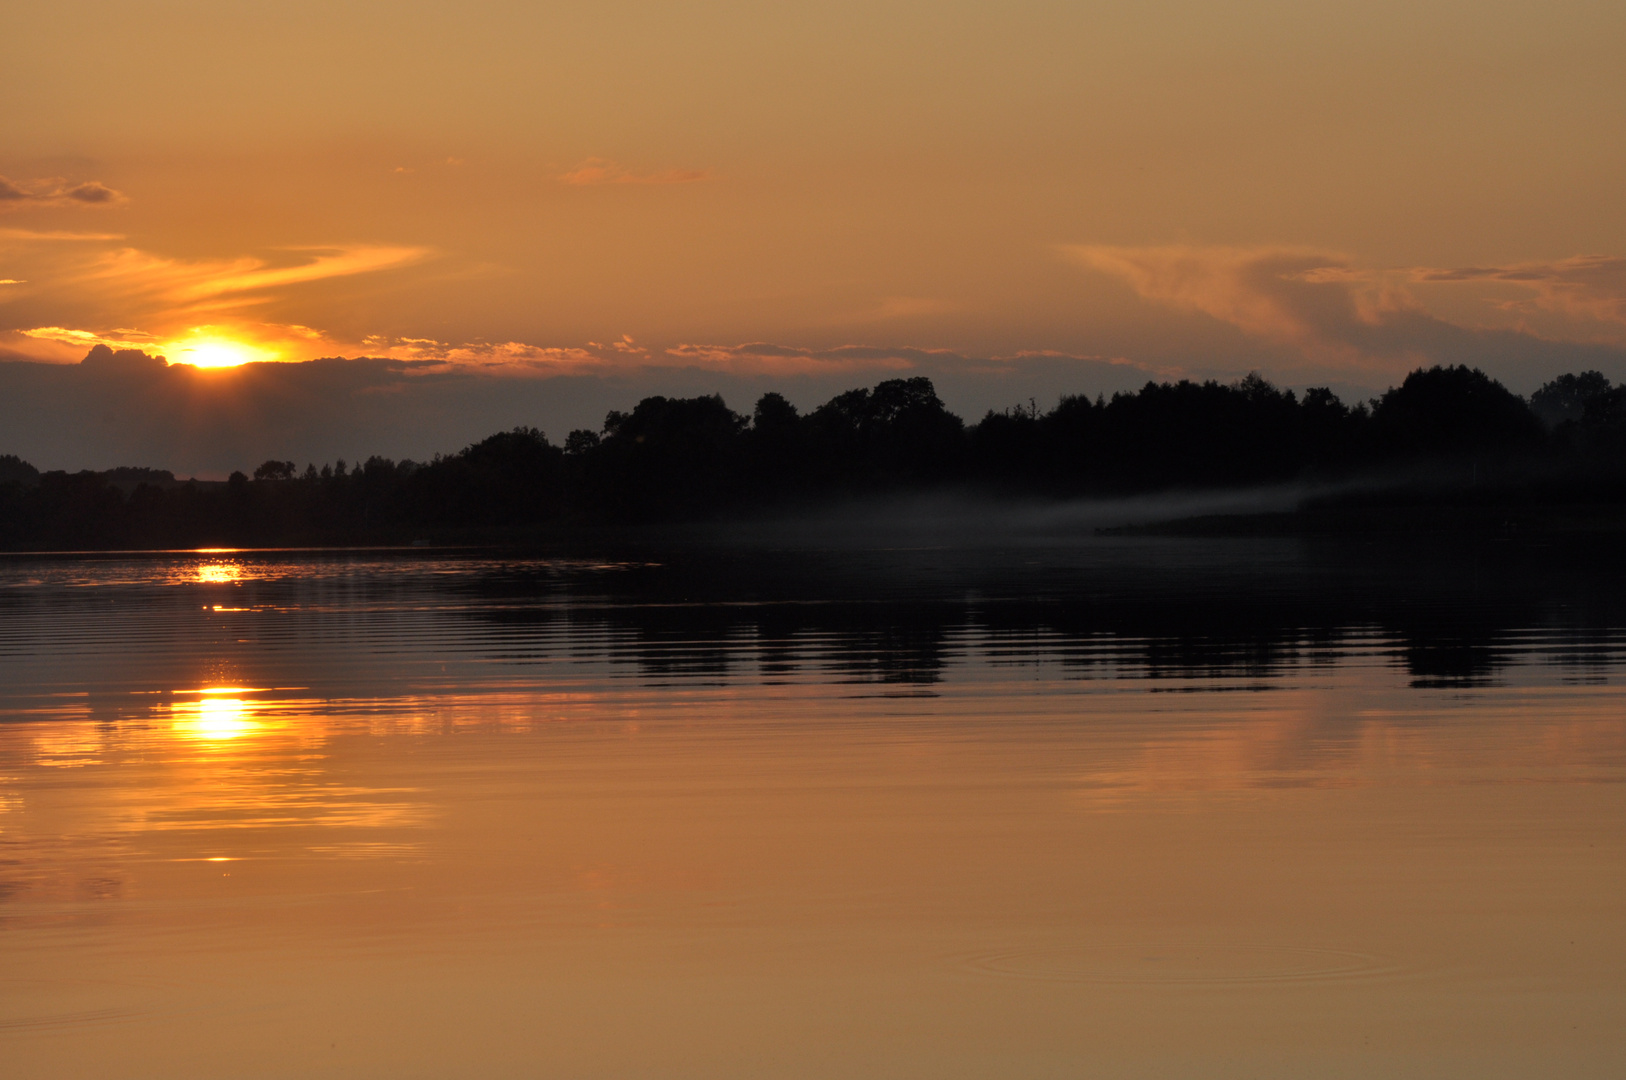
1565,399
275,470
667,458
511,478
14,470
581,441
899,433
1452,411
775,452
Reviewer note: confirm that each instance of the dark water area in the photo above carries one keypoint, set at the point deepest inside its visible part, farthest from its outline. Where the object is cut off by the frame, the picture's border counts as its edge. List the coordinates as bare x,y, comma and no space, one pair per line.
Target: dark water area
1120,806
1148,607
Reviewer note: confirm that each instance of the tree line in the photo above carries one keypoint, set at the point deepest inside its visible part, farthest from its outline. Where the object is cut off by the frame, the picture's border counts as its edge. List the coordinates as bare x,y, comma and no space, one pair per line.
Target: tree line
683,459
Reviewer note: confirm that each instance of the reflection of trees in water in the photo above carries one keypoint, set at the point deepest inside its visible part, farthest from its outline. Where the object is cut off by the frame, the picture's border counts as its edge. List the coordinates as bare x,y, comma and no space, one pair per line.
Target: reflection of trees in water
880,645
1452,623
1436,658
916,644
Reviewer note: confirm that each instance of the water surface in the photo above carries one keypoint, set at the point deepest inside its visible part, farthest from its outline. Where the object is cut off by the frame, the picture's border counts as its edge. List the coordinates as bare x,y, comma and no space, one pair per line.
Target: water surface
1115,808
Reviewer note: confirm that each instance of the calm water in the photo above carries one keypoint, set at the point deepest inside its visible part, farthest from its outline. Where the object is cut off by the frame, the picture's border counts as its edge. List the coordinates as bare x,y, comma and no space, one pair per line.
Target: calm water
1115,809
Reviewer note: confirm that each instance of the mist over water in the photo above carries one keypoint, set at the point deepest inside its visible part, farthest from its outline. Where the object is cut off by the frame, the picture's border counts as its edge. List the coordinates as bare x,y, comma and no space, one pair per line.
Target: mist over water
1034,806
951,519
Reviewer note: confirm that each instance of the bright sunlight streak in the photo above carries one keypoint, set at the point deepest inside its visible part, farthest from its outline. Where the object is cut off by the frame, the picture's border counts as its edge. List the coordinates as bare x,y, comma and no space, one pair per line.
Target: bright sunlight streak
212,719
212,354
205,347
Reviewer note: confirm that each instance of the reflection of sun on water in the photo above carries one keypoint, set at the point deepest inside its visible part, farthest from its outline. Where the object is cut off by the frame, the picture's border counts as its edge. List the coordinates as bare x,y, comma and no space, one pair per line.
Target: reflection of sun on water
218,573
216,716
212,719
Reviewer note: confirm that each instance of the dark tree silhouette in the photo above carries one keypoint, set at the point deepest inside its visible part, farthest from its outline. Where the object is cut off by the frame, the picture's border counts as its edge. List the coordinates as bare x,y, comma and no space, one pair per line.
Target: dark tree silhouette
275,470
670,459
667,458
1452,411
1565,399
14,470
898,432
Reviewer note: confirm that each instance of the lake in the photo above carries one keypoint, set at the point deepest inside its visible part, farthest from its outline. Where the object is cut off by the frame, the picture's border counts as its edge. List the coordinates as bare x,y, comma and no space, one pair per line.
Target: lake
1109,807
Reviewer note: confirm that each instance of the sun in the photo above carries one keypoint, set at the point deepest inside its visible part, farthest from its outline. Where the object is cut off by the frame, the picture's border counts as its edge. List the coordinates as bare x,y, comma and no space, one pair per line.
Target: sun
213,353
217,347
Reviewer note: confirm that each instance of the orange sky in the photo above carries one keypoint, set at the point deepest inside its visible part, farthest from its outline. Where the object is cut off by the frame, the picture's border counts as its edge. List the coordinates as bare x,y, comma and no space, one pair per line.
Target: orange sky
1331,192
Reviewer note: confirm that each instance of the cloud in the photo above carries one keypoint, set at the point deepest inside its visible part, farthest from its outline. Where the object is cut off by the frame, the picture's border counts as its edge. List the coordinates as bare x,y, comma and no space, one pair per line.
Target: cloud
1590,286
599,171
70,285
765,357
497,358
1336,314
80,338
26,236
195,283
198,420
84,289
627,358
1292,295
57,192
627,355
92,193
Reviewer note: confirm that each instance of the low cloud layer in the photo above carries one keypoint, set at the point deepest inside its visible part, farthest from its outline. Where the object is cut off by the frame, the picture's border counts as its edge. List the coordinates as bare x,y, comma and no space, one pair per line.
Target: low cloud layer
123,409
768,357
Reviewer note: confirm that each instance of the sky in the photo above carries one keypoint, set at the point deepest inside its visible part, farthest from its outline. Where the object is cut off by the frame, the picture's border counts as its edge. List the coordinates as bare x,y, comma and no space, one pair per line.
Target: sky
536,212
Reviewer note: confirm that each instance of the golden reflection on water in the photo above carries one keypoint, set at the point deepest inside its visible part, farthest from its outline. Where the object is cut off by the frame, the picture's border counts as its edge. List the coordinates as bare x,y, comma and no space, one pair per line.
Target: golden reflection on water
1341,875
212,719
219,572
219,714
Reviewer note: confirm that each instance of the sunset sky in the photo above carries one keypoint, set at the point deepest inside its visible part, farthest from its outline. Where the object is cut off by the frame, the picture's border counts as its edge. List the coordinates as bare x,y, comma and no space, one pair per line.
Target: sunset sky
565,206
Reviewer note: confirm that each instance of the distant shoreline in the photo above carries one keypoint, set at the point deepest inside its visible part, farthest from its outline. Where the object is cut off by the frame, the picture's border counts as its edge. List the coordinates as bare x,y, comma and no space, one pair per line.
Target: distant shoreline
1450,450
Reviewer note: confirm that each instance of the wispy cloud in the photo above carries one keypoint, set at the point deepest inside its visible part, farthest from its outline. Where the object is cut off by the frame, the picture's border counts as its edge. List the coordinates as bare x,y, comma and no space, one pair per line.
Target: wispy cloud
598,171
47,236
762,356
504,357
1292,295
1335,313
195,283
78,295
625,353
1590,286
749,359
56,191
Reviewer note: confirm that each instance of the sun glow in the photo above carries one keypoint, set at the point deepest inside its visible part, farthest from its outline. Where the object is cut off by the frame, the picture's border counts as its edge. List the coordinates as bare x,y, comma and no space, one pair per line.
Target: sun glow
218,716
213,719
218,573
215,353
209,347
